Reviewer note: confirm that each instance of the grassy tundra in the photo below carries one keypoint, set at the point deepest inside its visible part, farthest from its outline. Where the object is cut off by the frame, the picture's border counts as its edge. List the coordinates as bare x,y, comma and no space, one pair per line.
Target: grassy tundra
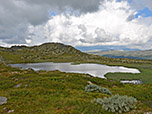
55,92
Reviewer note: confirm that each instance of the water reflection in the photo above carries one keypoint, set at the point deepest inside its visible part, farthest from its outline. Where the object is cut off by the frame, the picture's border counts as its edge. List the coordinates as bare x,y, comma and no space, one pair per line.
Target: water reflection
96,70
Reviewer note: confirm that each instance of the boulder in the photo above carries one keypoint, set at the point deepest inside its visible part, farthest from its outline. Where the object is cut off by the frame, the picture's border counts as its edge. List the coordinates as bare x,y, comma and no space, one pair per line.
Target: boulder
3,100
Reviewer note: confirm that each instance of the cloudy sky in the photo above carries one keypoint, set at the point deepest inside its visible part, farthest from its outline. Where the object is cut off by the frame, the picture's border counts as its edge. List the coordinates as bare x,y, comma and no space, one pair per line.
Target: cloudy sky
126,23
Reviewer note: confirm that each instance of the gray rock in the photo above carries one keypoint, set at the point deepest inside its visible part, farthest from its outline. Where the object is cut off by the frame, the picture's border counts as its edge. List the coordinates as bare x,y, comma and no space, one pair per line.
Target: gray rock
26,85
4,108
17,86
3,100
10,111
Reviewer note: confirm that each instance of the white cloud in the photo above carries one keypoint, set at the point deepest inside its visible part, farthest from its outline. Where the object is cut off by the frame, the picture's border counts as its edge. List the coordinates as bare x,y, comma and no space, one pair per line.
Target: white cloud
109,23
17,15
112,24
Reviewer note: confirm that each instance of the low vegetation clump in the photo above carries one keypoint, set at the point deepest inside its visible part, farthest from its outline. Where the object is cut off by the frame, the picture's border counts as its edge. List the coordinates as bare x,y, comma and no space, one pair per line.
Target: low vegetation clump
117,103
95,88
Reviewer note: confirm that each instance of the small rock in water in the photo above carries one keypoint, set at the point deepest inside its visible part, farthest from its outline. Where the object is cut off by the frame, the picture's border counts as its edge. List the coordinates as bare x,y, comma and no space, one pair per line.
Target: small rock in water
3,100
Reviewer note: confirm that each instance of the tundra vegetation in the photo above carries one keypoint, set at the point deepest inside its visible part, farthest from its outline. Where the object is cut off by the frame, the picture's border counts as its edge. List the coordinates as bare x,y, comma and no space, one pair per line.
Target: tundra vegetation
55,92
95,88
117,103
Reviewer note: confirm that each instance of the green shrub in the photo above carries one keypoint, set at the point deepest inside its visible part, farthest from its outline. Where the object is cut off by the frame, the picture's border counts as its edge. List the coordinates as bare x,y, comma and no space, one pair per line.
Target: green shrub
95,88
20,93
117,103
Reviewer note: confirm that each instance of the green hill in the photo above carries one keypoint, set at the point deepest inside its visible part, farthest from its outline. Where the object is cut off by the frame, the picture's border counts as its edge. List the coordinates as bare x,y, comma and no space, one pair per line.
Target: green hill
55,52
41,53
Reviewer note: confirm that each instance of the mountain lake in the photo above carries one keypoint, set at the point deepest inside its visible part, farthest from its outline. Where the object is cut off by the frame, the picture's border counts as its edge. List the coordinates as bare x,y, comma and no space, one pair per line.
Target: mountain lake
96,70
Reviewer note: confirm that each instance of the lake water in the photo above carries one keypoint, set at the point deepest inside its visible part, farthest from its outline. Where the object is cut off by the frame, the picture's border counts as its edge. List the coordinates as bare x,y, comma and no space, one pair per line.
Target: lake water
131,81
96,70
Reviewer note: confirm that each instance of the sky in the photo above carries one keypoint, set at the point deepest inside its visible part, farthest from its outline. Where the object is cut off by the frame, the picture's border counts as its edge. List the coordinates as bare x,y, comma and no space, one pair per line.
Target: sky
87,23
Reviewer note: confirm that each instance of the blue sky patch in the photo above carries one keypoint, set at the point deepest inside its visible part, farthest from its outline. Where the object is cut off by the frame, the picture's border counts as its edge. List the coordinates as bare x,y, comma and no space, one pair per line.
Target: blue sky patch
129,1
52,13
146,12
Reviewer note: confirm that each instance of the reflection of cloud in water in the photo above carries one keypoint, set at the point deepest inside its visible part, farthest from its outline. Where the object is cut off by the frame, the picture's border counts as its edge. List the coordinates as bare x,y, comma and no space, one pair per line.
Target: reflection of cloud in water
96,70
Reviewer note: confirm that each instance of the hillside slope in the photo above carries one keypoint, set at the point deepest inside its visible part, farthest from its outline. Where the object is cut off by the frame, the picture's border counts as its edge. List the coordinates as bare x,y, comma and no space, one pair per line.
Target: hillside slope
41,53
55,52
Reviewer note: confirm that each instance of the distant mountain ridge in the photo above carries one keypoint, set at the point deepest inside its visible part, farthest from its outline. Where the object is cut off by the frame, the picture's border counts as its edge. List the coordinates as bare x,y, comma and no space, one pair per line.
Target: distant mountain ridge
146,54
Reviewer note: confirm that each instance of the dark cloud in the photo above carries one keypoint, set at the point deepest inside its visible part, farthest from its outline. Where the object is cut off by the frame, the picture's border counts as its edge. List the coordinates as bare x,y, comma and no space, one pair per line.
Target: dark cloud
141,4
82,5
37,11
131,17
17,15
